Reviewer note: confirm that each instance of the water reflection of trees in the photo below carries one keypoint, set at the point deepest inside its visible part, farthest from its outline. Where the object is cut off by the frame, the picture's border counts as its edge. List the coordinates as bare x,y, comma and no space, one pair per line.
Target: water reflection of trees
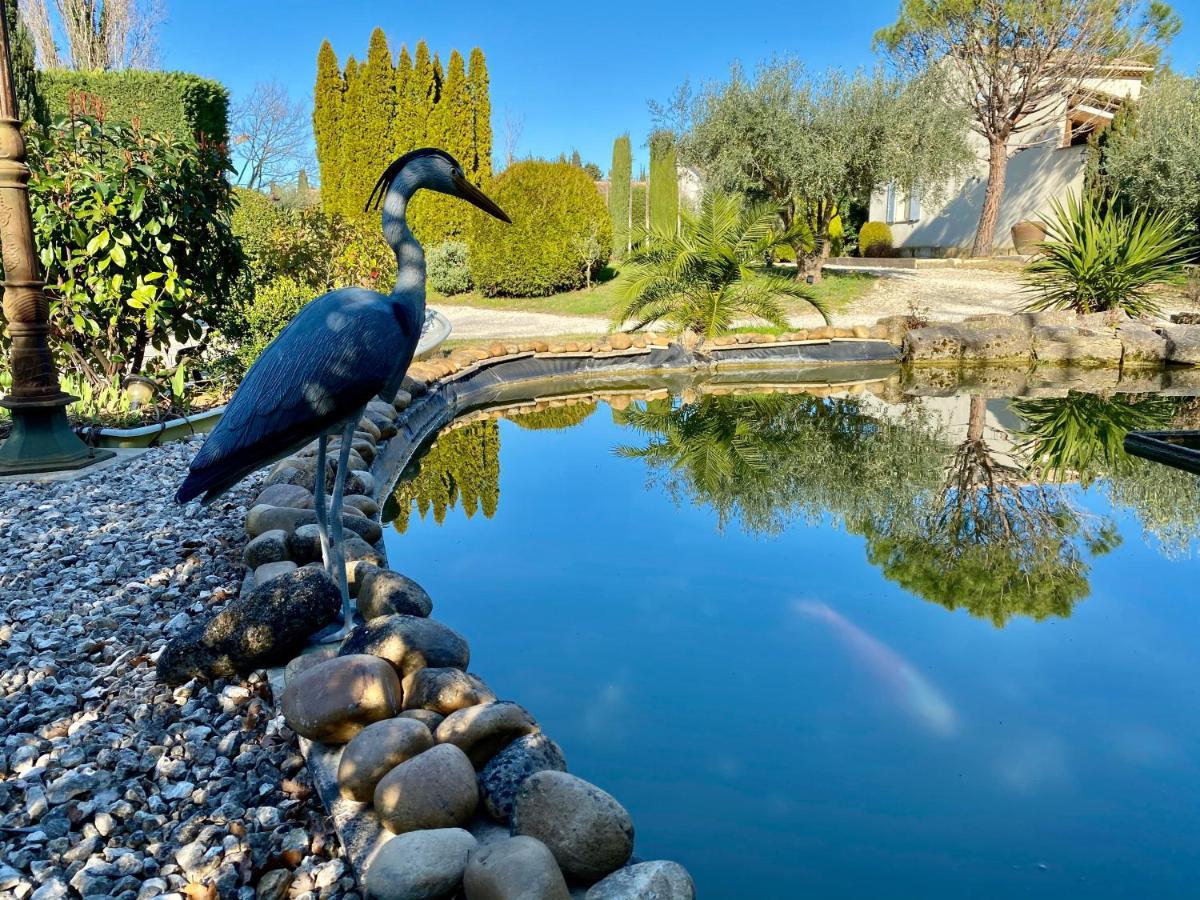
462,467
960,525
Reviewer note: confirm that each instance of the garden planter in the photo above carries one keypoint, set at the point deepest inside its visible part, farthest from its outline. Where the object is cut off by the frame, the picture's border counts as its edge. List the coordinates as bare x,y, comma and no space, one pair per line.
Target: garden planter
1026,236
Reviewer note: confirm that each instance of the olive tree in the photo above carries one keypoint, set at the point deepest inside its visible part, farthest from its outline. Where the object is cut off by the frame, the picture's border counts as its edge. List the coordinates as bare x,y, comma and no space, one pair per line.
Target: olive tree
811,143
1011,62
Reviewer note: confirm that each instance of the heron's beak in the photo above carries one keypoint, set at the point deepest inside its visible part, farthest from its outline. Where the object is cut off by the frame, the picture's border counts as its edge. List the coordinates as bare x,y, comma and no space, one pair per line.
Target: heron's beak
474,195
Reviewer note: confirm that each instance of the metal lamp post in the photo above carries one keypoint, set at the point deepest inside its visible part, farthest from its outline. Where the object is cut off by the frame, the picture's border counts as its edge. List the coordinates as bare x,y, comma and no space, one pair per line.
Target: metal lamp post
41,439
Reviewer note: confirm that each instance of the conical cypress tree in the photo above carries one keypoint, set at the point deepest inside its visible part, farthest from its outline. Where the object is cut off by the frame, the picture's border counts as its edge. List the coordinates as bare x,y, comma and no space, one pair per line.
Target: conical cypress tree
371,131
328,98
420,95
347,154
402,126
480,167
619,195
664,182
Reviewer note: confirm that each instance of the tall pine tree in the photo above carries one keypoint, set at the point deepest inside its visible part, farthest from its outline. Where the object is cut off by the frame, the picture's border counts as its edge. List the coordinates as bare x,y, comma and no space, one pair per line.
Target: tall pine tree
619,194
664,182
328,99
480,167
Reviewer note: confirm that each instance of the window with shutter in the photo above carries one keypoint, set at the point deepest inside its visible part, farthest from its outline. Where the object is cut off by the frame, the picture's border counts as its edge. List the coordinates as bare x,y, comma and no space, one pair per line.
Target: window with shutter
914,205
890,216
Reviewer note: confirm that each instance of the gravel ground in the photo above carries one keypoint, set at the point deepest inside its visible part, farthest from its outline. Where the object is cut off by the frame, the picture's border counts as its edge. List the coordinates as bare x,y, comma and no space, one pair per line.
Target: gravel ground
947,295
111,784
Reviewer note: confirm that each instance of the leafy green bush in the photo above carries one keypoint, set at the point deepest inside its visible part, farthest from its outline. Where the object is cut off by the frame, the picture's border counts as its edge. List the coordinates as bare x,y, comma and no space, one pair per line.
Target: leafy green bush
553,206
175,103
274,305
711,271
448,267
875,239
1096,258
134,234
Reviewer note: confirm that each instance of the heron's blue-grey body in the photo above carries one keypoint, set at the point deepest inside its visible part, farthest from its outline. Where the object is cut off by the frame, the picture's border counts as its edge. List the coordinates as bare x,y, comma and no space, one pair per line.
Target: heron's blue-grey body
340,351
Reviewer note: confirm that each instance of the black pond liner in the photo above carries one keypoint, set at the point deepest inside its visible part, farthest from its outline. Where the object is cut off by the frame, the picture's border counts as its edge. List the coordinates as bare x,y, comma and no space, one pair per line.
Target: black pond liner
1177,449
671,367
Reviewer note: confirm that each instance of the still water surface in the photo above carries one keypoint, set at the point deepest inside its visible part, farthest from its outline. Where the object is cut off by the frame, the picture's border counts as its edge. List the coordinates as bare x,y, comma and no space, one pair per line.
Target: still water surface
842,647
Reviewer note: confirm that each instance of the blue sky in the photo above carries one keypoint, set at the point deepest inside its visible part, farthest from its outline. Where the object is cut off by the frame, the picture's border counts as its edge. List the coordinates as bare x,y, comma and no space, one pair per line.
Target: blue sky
578,74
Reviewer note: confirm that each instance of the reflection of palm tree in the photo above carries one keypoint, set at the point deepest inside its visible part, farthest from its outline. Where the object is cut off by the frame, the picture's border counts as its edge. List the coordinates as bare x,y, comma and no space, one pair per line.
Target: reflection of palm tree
1083,434
991,541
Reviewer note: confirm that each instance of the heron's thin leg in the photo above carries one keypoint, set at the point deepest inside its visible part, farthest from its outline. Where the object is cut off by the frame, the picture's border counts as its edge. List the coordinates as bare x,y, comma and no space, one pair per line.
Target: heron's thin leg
319,504
337,532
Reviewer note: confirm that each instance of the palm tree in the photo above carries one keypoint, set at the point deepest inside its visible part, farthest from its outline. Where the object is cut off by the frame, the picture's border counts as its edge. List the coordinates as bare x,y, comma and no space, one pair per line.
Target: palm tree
712,271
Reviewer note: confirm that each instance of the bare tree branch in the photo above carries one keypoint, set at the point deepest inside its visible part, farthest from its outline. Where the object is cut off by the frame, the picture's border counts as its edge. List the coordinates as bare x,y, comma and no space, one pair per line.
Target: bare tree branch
37,20
270,135
514,126
98,34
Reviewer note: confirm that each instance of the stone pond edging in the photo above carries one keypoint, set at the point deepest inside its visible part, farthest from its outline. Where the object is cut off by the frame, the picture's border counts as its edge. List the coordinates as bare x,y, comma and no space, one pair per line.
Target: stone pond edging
285,594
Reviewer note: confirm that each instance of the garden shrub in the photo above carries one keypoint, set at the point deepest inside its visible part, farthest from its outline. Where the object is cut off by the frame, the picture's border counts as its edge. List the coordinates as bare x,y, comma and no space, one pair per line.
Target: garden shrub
274,305
135,241
175,103
364,259
875,239
553,207
448,267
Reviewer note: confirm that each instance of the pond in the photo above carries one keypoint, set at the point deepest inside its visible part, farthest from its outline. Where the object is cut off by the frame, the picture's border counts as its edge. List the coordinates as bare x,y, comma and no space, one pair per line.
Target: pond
839,644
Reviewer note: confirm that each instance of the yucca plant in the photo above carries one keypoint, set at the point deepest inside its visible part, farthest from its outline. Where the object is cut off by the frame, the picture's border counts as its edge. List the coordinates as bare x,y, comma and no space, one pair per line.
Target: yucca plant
712,272
1096,258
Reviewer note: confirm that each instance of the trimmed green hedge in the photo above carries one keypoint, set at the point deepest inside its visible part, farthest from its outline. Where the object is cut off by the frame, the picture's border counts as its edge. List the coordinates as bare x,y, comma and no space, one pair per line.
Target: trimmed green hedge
176,103
554,208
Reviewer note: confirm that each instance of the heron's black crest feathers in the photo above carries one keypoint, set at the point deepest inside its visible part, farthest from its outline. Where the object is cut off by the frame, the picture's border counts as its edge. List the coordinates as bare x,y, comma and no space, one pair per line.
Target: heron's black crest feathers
389,174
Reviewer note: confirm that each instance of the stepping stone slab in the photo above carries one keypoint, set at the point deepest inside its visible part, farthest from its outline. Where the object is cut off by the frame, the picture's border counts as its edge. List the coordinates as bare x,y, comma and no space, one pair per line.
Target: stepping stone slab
375,751
435,789
409,643
519,868
483,731
657,880
420,865
268,547
266,627
333,701
445,690
587,830
382,592
507,771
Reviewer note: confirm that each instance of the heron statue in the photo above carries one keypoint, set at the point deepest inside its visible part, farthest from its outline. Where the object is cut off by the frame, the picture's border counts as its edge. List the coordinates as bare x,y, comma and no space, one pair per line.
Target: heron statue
340,351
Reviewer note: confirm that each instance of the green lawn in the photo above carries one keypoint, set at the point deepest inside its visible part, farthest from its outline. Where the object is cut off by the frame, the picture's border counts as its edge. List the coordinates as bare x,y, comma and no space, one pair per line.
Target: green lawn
837,289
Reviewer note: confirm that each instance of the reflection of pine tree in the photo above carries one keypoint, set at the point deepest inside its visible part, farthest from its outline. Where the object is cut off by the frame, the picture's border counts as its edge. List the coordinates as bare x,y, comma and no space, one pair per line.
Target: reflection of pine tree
991,541
461,468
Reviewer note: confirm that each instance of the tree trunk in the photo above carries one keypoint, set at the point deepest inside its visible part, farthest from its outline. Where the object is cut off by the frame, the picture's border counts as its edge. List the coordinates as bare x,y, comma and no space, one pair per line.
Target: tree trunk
976,419
997,170
809,264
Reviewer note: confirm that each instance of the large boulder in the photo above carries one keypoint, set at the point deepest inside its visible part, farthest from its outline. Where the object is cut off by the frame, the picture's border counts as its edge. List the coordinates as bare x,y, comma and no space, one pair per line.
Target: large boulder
266,627
1183,344
967,341
334,700
659,879
483,731
519,868
419,865
409,643
375,751
506,772
434,789
1141,345
445,690
1063,344
587,830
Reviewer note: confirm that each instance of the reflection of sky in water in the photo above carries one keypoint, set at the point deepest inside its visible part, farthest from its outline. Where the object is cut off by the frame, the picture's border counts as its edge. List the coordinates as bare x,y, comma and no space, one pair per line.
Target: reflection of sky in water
894,750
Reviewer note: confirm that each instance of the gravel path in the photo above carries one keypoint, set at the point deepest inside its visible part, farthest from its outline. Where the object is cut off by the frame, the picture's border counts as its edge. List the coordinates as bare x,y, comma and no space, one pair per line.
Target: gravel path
111,783
947,295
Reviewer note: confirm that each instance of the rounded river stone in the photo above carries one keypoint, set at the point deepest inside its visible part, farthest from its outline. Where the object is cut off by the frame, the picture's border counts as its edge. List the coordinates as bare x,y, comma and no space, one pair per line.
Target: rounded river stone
659,879
587,830
483,731
334,700
519,868
419,865
445,690
268,547
375,751
507,771
431,719
434,789
409,643
382,592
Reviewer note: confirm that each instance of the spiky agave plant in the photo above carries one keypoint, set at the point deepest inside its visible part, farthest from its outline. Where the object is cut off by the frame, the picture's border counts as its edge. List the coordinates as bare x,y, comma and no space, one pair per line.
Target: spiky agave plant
1096,258
712,271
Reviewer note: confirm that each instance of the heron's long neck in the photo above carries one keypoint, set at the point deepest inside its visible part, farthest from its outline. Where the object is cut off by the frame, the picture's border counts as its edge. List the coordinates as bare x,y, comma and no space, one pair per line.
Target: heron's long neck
410,258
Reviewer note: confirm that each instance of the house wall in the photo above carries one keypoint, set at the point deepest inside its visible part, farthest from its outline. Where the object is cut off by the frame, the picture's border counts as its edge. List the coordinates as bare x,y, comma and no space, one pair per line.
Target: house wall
1040,170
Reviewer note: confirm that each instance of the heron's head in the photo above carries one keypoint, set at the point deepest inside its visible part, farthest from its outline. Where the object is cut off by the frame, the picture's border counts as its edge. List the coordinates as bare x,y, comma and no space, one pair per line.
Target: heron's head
434,170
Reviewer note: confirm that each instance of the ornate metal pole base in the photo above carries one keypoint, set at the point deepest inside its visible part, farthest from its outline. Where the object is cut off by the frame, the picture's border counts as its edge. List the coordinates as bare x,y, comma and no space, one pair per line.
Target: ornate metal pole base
42,440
